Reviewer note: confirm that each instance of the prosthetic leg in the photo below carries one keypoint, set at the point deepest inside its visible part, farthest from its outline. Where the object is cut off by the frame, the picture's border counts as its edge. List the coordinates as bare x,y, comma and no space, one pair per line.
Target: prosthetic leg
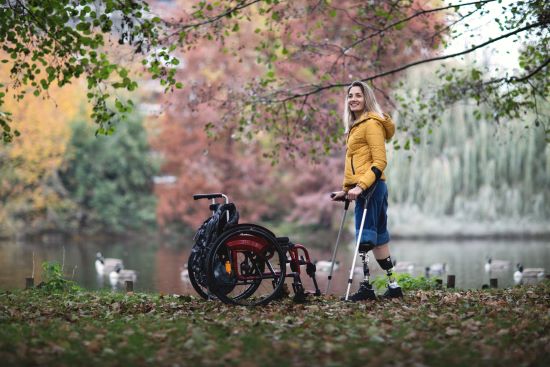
365,291
365,288
394,290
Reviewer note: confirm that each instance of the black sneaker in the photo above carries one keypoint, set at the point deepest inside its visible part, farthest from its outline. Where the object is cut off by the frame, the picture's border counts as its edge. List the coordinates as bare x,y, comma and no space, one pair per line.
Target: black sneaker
393,291
365,292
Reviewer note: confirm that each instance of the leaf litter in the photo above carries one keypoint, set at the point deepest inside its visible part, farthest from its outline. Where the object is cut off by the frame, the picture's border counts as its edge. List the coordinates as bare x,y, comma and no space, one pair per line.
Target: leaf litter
504,327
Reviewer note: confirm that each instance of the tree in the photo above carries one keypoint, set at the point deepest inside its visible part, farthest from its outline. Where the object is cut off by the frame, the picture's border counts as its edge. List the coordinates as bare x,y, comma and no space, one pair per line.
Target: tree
47,42
29,195
471,175
109,180
217,98
380,27
309,49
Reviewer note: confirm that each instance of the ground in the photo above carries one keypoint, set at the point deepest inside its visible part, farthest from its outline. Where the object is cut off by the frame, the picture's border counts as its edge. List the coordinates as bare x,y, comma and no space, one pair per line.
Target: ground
500,327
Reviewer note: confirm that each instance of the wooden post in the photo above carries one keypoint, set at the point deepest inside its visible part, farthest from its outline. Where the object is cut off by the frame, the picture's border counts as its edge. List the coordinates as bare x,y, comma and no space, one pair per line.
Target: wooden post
129,286
439,283
29,283
493,282
450,281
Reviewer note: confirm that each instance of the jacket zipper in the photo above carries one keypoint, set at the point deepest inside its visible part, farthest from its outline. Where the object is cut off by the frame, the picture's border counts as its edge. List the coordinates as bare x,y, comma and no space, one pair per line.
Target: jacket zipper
352,169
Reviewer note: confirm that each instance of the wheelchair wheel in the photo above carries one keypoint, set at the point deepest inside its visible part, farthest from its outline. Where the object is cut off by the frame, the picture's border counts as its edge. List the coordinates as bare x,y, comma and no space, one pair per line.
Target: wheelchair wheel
195,277
246,266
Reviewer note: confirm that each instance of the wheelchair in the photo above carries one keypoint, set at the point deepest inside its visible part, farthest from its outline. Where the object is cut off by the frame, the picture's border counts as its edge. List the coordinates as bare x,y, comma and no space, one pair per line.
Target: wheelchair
244,264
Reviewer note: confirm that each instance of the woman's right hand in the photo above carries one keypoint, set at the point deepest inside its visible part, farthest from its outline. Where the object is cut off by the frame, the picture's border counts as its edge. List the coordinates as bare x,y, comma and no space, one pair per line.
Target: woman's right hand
338,196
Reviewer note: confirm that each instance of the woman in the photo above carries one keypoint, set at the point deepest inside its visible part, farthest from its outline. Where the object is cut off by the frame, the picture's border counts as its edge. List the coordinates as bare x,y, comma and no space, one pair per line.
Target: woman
368,128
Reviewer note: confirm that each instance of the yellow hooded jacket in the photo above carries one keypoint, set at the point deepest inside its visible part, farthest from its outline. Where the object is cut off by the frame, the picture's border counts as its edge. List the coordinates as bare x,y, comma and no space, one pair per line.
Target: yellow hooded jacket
365,148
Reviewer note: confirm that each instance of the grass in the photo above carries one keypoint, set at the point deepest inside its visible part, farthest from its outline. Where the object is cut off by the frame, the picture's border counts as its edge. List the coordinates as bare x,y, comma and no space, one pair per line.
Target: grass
503,327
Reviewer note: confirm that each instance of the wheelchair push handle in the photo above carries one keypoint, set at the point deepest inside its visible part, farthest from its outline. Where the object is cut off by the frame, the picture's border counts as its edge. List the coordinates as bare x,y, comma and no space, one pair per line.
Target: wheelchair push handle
213,206
207,196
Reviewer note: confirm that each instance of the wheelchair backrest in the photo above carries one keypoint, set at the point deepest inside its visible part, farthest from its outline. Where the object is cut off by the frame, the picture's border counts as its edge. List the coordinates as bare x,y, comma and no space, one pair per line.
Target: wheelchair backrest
216,225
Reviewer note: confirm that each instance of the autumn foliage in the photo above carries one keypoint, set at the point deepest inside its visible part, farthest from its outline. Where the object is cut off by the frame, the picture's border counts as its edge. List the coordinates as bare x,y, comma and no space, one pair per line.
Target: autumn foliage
244,124
209,147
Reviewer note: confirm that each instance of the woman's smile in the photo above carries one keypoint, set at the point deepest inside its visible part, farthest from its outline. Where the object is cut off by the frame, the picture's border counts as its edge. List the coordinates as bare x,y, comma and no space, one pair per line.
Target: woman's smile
356,100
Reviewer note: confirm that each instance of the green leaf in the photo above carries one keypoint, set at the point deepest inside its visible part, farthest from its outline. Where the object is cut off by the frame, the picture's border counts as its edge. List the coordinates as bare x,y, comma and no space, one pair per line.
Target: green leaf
83,26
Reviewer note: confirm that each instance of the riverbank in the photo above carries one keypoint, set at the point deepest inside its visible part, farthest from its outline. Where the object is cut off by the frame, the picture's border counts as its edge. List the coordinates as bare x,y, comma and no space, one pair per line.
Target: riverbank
504,327
408,222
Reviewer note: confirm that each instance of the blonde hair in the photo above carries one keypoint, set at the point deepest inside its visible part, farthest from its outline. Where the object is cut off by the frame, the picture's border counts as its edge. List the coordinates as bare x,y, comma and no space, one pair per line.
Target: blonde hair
371,105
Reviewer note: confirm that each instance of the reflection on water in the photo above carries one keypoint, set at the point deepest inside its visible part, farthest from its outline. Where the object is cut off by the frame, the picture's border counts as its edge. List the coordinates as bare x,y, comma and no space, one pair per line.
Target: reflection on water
162,269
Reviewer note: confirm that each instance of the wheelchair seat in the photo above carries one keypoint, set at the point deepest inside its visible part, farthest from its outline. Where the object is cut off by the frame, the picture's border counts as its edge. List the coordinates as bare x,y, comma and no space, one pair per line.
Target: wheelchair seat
283,240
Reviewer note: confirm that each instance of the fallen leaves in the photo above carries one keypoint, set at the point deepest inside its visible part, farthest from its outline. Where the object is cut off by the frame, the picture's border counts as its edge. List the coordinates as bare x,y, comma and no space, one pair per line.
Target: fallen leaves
451,332
504,327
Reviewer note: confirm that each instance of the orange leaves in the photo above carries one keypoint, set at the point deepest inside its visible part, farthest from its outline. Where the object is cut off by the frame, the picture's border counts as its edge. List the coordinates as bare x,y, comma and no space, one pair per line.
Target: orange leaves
34,158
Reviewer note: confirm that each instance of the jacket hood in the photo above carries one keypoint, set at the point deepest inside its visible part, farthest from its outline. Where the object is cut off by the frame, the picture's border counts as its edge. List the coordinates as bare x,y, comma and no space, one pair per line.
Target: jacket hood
385,120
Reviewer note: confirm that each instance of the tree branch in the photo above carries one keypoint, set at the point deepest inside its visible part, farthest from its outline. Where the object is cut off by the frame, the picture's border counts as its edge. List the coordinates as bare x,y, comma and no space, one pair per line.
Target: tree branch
230,11
525,77
43,27
407,66
515,79
462,17
417,14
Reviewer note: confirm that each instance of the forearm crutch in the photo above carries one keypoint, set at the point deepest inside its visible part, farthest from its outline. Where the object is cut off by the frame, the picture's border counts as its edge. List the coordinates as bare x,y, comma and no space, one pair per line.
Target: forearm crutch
346,206
368,195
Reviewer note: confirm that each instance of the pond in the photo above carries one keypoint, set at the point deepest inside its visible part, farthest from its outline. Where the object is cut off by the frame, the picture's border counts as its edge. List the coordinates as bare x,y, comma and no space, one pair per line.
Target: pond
160,267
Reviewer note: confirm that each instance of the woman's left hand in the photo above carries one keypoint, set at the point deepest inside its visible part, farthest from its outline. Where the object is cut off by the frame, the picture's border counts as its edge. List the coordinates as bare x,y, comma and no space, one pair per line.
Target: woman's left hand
354,193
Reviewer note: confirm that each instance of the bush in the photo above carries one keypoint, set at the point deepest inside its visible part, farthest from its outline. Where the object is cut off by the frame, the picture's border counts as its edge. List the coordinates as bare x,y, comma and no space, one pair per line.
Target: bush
54,279
407,282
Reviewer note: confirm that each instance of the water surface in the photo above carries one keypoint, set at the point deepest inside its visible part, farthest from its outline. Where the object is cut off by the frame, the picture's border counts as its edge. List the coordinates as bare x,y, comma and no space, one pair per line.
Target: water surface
160,267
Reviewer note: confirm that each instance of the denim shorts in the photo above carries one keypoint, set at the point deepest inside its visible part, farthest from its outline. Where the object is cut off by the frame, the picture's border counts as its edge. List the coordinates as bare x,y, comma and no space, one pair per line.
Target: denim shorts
375,231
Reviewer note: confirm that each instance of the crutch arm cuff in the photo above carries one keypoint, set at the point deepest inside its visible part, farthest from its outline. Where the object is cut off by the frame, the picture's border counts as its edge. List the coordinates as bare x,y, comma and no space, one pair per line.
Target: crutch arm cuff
377,172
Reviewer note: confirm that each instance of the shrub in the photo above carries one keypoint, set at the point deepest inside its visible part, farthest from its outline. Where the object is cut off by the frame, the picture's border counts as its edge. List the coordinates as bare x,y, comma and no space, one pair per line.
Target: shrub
54,279
407,282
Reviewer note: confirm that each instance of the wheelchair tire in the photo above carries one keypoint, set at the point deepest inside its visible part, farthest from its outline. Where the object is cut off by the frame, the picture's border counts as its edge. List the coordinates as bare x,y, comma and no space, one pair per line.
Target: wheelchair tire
200,286
247,283
202,291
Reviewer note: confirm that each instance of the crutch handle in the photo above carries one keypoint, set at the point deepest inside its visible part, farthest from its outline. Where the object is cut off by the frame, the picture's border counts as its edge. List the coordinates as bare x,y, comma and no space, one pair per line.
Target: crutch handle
333,194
